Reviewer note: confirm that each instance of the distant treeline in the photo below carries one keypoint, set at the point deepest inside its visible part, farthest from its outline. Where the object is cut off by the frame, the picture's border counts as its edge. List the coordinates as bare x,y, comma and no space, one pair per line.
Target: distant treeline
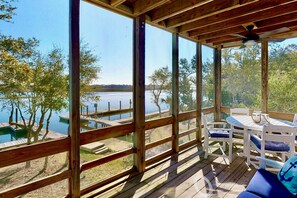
112,87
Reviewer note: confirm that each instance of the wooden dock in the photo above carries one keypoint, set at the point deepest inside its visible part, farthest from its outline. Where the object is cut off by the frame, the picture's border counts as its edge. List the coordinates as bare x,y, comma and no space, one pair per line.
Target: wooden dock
104,123
108,112
50,135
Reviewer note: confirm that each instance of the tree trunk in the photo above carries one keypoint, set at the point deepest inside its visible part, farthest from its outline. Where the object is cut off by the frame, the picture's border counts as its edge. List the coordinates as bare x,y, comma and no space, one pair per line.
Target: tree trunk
11,114
159,109
43,138
45,164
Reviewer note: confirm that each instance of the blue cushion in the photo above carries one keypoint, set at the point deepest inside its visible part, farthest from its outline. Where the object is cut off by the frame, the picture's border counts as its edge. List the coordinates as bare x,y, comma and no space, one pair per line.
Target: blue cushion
288,175
270,145
246,194
218,133
266,184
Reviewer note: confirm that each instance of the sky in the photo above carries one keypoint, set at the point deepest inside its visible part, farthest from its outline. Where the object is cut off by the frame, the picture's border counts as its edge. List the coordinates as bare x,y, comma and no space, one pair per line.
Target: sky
109,36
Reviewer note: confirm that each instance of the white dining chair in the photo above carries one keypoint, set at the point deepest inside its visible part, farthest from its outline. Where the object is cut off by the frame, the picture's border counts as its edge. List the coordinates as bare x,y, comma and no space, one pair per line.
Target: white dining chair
273,139
237,131
213,134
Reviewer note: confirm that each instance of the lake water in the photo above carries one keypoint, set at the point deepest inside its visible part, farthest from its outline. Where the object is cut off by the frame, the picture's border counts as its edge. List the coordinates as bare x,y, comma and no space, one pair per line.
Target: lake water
113,97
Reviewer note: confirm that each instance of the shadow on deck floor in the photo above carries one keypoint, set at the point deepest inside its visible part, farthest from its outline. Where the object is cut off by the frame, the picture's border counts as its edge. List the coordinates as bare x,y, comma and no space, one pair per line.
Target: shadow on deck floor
186,175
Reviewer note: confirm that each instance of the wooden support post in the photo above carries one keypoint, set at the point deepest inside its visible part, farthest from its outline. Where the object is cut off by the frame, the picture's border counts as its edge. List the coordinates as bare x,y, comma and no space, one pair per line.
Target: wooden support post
96,106
264,77
108,106
120,105
139,91
198,90
217,80
175,90
87,110
74,57
81,110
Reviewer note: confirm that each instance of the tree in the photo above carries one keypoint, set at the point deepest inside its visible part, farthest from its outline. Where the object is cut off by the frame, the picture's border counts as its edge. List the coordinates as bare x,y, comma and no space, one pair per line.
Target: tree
35,84
282,78
186,83
89,71
241,69
160,82
6,10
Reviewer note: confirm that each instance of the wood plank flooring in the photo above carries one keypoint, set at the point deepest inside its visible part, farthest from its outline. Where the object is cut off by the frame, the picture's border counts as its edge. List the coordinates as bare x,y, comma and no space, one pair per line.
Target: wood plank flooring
186,175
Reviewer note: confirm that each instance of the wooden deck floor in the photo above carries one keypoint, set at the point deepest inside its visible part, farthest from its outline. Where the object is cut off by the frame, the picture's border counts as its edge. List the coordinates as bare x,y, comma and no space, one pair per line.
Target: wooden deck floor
186,175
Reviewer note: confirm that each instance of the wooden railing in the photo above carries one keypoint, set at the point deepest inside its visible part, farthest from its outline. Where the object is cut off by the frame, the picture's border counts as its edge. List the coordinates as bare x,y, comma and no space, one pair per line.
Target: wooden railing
30,152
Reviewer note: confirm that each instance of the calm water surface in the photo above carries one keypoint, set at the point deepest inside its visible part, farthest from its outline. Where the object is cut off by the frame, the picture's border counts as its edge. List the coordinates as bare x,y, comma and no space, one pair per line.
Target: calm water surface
113,97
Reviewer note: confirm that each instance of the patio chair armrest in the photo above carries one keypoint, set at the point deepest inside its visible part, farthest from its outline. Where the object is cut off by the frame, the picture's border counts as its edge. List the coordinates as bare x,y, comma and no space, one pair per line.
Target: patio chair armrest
269,162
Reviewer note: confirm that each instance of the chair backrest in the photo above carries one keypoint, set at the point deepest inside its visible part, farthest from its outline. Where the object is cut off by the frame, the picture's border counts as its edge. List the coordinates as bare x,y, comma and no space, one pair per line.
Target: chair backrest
239,111
295,118
285,134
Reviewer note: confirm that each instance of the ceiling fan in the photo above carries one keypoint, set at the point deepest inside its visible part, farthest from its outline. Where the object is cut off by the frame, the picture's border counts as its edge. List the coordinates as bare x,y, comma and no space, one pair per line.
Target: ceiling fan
252,38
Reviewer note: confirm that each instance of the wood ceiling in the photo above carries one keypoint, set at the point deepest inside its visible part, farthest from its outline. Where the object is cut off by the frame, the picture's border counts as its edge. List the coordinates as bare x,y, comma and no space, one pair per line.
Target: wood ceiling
212,22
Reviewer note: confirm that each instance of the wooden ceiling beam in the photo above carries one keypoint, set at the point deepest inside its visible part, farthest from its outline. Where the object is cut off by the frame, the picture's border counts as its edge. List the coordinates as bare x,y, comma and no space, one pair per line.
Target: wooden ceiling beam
237,12
275,11
283,19
121,9
221,33
231,44
143,6
277,20
223,39
116,3
175,8
205,10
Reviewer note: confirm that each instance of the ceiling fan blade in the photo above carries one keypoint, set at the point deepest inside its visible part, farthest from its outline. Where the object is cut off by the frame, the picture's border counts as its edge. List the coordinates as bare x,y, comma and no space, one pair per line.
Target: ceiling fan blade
238,35
276,31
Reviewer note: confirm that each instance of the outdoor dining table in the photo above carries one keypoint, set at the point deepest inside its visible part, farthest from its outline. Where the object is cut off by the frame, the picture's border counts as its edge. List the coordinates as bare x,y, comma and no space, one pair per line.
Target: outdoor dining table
247,124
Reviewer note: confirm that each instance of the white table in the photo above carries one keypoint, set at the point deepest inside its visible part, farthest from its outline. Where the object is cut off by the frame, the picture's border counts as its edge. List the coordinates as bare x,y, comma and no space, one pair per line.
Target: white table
247,123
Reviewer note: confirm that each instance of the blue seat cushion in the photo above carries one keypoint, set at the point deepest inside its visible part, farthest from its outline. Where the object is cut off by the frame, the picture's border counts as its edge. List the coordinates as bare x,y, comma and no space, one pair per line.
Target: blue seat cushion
246,194
270,145
266,184
218,133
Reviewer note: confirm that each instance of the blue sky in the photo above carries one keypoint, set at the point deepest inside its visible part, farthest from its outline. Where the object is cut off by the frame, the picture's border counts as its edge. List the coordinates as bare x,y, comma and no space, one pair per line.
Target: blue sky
109,36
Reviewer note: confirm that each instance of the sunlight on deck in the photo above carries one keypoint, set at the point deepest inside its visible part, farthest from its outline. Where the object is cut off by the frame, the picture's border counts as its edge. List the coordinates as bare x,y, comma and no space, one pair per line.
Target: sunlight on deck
185,175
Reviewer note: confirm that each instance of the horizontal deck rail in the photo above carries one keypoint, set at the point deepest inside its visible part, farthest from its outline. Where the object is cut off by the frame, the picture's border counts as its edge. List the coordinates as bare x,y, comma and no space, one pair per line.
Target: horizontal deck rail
152,124
99,184
187,144
106,159
158,143
187,132
106,133
159,157
30,152
34,185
